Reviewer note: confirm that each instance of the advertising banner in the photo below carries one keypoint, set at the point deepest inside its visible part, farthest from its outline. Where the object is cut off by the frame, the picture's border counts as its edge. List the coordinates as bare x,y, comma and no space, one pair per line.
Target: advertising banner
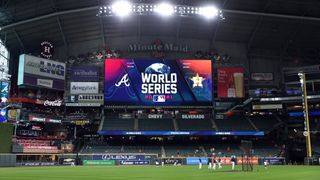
193,116
13,114
41,150
38,118
38,164
253,160
84,87
183,133
4,63
84,73
230,82
67,161
172,160
126,115
192,161
3,115
118,157
153,82
275,160
267,106
154,116
4,94
99,162
134,162
262,76
40,147
41,72
225,160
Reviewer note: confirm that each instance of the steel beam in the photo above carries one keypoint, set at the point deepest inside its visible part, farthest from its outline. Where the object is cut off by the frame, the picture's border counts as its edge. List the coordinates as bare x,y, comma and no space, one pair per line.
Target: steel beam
102,32
256,28
62,32
48,16
215,31
226,11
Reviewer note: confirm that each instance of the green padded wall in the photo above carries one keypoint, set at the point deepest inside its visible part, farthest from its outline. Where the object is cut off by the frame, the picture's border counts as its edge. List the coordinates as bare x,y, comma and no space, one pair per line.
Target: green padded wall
6,131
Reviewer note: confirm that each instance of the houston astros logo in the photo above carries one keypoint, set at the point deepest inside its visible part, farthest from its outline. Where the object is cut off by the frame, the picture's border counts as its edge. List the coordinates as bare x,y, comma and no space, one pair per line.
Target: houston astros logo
124,80
197,81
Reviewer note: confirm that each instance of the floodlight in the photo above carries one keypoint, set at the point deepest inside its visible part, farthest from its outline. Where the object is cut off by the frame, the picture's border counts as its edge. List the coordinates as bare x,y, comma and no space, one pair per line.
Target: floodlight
164,9
121,8
209,12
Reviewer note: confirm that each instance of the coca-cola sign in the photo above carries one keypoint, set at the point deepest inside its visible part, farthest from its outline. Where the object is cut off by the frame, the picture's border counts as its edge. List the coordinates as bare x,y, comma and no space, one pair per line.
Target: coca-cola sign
53,103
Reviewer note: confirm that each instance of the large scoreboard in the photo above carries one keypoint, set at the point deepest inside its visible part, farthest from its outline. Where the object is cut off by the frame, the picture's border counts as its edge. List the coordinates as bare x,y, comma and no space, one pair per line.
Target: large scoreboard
155,82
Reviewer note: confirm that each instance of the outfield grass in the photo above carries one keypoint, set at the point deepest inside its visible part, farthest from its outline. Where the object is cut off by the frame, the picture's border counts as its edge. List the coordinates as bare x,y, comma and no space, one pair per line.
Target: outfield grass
158,173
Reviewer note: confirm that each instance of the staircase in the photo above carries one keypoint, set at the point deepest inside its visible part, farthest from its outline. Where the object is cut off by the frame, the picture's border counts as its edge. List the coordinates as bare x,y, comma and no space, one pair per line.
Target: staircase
274,127
278,118
175,124
203,151
136,124
102,121
252,124
214,125
163,151
241,105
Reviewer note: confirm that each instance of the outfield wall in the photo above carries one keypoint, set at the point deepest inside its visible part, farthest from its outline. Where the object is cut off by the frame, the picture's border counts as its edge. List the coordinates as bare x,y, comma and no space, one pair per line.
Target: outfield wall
11,160
6,131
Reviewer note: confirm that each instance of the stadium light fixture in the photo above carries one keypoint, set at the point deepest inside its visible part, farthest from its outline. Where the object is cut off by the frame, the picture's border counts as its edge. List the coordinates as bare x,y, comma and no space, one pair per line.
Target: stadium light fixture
121,8
209,12
164,9
125,8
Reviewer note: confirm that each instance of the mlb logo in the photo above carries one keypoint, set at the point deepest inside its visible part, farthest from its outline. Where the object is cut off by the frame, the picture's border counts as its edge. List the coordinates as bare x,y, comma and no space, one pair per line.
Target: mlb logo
159,98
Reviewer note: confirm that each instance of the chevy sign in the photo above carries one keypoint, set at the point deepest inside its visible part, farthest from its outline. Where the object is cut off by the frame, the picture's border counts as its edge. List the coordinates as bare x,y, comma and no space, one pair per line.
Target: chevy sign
41,72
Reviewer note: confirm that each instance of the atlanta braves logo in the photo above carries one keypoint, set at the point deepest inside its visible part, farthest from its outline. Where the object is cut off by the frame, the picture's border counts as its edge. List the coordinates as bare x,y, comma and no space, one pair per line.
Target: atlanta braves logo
124,80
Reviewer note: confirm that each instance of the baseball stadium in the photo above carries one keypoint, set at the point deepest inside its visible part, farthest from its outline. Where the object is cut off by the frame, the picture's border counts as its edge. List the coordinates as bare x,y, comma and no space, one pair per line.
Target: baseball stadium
162,89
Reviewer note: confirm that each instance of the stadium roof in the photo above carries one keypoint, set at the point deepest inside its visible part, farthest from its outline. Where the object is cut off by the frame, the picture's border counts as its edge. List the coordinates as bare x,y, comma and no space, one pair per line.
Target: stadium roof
265,24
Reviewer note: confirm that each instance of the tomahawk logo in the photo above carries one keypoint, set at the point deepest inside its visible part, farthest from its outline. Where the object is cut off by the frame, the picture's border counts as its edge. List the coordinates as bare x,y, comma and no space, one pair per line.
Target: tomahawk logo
124,80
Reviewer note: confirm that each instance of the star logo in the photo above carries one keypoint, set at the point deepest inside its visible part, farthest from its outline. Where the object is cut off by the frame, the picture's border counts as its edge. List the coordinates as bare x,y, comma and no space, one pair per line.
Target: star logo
197,81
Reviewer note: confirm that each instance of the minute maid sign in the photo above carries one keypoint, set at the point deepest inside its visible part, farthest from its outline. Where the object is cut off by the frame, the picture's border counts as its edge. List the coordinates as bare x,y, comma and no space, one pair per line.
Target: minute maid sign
34,71
159,49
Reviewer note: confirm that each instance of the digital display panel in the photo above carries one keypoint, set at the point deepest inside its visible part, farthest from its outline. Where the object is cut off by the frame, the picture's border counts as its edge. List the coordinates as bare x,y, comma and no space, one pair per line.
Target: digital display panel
155,82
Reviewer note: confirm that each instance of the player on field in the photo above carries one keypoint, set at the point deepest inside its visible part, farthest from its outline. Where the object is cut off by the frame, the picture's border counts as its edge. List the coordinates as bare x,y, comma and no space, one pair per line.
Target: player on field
219,163
266,163
210,163
214,163
200,163
233,161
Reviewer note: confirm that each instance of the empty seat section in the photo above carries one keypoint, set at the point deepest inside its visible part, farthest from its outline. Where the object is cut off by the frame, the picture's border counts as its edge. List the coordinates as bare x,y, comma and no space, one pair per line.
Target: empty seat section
234,123
156,125
194,125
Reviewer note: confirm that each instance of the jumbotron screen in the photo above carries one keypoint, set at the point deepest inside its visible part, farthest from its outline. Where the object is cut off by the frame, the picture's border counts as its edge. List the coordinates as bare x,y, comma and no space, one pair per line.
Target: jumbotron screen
155,82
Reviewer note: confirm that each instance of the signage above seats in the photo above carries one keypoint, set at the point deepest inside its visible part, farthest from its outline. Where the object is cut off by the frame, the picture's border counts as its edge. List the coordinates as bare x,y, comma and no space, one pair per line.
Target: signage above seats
159,49
41,72
230,82
154,116
84,88
194,116
84,73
